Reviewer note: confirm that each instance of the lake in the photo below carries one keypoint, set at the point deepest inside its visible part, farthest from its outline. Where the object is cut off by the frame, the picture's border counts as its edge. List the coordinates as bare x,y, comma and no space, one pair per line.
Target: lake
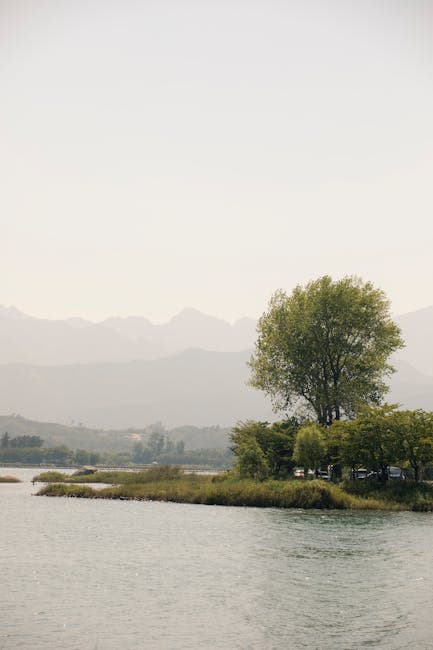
110,575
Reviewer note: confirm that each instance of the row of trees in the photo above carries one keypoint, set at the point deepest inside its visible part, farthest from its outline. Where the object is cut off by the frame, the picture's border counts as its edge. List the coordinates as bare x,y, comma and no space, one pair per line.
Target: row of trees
51,455
378,438
20,442
155,447
165,451
30,450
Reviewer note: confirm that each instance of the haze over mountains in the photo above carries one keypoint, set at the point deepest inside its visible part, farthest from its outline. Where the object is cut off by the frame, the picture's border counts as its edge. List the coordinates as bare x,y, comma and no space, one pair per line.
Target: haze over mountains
129,372
37,341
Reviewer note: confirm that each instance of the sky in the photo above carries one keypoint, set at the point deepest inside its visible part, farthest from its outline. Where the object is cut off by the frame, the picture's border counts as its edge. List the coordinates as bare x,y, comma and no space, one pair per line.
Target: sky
171,154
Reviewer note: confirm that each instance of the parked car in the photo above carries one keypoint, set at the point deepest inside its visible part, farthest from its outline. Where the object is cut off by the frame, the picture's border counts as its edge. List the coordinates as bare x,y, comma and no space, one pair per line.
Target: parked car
396,474
298,472
360,474
392,474
323,475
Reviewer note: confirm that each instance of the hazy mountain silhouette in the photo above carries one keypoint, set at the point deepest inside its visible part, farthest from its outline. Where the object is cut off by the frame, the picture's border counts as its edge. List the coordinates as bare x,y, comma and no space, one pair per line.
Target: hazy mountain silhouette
24,339
129,372
417,330
36,341
195,387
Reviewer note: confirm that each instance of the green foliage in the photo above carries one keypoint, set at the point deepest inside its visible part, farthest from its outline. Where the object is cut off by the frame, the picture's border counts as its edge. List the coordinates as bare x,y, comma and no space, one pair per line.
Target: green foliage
229,491
171,484
50,477
326,345
158,473
410,495
26,442
382,436
36,455
309,450
413,433
371,440
62,490
264,449
252,461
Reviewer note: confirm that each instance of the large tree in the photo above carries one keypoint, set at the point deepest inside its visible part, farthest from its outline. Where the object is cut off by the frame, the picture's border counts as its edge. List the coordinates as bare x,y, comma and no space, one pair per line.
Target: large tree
327,345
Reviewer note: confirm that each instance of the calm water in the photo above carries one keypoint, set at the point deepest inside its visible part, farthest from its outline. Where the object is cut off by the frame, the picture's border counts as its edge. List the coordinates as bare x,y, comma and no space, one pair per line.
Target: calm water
110,575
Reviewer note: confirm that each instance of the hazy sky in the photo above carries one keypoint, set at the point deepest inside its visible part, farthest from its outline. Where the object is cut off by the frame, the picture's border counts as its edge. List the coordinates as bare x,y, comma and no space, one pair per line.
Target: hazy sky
157,155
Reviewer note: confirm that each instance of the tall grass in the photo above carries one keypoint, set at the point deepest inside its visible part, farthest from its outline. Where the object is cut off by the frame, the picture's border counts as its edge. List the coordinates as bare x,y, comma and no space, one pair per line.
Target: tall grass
162,472
166,483
245,492
9,479
415,496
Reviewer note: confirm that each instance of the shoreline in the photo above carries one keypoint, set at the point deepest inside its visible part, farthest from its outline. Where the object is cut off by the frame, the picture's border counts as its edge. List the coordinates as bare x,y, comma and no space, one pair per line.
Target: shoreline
172,485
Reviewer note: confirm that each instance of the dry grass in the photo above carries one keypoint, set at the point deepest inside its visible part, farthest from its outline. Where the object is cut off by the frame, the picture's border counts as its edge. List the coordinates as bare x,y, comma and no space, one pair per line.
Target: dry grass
230,492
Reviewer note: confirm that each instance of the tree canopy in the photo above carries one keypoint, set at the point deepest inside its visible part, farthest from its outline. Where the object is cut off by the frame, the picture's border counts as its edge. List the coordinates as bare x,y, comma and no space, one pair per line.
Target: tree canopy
264,449
310,448
327,346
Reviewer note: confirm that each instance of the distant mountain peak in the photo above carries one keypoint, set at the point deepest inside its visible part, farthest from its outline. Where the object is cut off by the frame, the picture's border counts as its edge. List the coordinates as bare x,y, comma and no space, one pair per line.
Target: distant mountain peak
12,312
191,314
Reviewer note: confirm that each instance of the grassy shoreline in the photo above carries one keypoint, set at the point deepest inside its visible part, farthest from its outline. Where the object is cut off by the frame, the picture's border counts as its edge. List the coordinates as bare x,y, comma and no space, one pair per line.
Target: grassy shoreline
171,484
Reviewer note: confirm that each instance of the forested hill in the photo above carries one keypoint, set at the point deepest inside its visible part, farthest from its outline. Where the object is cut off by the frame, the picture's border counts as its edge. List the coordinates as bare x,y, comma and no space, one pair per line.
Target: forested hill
81,437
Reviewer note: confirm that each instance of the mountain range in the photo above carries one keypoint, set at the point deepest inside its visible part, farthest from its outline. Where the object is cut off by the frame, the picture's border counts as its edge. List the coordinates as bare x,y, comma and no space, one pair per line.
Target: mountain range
126,372
38,341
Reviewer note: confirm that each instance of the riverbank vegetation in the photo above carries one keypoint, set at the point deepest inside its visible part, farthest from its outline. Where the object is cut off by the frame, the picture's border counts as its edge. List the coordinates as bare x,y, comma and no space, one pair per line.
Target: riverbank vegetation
228,489
325,349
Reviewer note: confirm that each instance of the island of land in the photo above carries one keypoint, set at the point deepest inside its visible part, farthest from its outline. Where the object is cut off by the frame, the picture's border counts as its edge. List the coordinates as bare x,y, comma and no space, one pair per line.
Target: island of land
167,483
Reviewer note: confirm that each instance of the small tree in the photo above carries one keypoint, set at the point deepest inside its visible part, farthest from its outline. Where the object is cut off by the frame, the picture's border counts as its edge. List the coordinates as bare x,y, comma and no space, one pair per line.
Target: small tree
372,439
414,439
180,448
275,441
137,452
252,461
310,447
156,444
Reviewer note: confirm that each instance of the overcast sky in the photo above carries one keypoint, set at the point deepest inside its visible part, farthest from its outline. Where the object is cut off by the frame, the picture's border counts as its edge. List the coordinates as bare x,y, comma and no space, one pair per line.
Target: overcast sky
157,155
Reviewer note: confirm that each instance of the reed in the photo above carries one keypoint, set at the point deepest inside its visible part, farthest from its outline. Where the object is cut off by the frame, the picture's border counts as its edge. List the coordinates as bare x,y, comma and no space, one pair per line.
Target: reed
229,492
162,472
9,479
